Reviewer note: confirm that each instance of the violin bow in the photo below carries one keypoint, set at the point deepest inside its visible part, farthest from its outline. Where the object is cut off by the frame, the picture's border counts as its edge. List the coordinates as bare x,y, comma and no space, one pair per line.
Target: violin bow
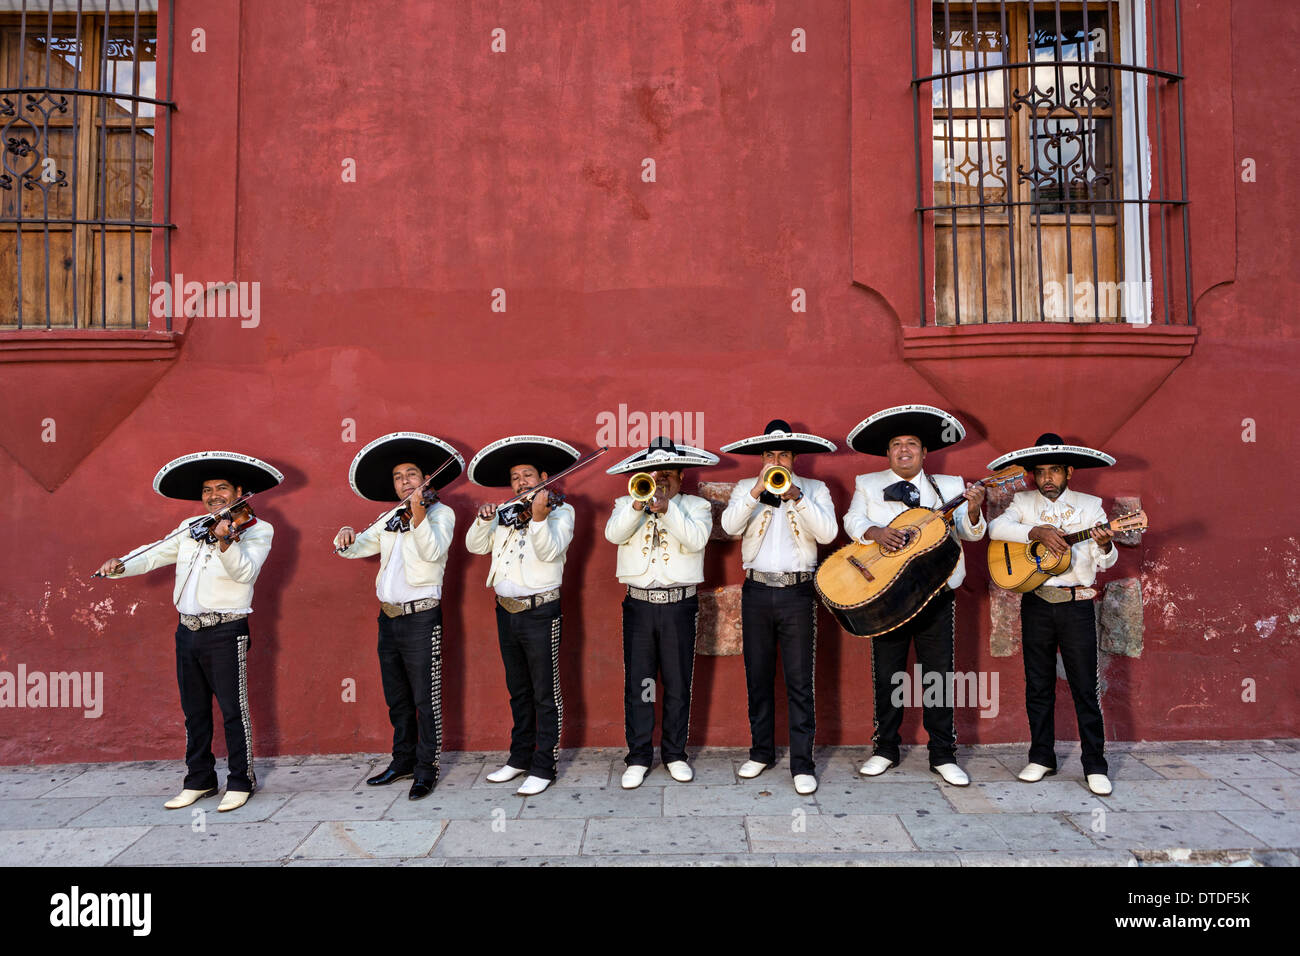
580,463
404,501
215,518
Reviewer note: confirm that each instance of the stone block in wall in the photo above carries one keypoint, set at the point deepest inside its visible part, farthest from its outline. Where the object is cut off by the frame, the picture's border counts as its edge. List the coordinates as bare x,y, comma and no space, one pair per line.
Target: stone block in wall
1004,611
717,494
718,631
1123,505
1119,618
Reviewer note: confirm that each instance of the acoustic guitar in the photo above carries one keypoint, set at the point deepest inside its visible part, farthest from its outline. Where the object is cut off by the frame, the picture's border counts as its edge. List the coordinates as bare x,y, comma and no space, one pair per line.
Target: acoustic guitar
1023,567
872,590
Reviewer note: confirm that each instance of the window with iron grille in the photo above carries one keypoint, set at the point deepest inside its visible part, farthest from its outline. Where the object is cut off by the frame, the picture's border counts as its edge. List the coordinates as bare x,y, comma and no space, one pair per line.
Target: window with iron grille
81,217
1049,198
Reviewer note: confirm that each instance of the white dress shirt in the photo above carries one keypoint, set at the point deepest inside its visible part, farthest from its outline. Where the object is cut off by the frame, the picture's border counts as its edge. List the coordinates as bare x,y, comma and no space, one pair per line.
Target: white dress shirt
1071,511
870,509
393,588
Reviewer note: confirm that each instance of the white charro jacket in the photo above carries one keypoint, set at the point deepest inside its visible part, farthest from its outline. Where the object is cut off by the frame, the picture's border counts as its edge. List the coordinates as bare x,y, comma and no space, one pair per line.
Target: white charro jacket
811,519
870,509
668,548
424,547
1071,511
539,552
225,577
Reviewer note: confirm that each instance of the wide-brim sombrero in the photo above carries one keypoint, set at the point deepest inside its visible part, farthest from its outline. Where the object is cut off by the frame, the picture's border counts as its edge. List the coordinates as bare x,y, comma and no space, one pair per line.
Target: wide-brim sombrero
661,454
779,436
491,466
182,478
935,427
1051,449
371,473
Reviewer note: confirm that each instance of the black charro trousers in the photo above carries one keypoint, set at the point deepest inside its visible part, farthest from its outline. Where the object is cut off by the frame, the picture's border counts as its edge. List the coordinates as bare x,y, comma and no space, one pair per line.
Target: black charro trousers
785,619
410,665
530,651
214,661
658,642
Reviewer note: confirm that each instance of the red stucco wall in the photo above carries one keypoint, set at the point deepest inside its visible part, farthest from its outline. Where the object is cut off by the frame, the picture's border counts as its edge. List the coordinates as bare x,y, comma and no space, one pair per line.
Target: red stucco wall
522,171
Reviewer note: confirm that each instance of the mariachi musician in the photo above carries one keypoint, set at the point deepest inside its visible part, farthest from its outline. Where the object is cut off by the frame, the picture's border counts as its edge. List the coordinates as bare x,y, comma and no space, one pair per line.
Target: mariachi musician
218,557
412,540
781,518
661,534
1059,614
528,542
903,435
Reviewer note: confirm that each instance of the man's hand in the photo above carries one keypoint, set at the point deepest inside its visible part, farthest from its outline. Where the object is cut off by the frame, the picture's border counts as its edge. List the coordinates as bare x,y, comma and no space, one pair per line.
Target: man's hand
974,493
418,510
111,567
1102,535
889,538
486,512
657,505
541,505
762,480
1050,538
793,493
345,537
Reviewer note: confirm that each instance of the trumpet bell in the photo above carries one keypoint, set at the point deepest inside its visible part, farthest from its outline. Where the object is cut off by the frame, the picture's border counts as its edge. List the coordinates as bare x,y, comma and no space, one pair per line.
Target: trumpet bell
641,486
777,481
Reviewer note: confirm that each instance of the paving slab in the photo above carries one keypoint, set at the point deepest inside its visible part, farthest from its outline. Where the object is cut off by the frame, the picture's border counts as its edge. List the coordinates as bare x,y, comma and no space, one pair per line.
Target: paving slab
466,803
1164,830
674,860
595,803
1276,828
510,838
668,835
149,811
1174,766
117,783
294,779
1051,795
848,833
226,843
954,831
1290,759
1228,766
18,785
751,797
1029,832
884,858
91,846
1178,795
863,796
319,805
584,769
34,814
1047,858
375,861
1273,794
370,839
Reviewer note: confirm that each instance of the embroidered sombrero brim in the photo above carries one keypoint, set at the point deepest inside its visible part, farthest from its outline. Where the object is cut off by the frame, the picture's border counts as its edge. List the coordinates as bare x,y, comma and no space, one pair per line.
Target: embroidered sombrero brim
798,443
371,474
183,477
654,459
935,427
491,466
1075,456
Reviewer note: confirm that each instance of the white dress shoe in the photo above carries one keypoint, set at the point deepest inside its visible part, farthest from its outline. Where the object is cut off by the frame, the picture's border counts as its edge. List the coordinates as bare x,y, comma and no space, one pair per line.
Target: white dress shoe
876,766
532,786
1035,772
1099,784
805,783
681,771
633,775
751,769
505,773
233,800
186,797
952,774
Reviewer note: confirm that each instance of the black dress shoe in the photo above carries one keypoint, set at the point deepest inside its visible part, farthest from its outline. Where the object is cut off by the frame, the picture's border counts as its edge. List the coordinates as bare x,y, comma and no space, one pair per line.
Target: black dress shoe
422,787
388,776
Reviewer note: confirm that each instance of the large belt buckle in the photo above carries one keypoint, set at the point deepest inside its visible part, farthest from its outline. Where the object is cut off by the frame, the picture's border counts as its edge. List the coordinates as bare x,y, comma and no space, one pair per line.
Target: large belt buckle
391,610
660,596
512,605
1053,595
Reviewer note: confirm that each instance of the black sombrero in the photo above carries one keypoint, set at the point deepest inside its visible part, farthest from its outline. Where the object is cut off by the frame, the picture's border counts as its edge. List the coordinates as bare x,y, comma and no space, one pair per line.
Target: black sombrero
779,436
1051,449
491,466
183,477
371,474
662,454
935,427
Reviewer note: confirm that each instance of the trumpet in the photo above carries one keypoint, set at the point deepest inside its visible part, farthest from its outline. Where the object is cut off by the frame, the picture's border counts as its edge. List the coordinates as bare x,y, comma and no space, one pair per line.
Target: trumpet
777,480
641,486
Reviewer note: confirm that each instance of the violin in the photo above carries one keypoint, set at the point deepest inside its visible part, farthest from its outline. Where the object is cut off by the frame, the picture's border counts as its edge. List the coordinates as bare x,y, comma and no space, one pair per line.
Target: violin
519,514
240,515
401,519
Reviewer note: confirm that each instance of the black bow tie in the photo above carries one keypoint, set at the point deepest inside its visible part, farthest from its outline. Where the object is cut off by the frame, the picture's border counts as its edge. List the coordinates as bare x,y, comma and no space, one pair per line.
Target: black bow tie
904,491
767,498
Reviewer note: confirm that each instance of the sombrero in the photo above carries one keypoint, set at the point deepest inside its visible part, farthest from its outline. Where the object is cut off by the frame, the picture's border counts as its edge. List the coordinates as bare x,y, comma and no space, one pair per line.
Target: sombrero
935,427
1051,449
371,474
183,477
491,466
661,454
779,436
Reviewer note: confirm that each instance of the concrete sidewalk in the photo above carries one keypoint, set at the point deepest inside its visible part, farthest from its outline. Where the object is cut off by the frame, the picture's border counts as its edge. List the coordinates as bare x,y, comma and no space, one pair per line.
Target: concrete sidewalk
1207,802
